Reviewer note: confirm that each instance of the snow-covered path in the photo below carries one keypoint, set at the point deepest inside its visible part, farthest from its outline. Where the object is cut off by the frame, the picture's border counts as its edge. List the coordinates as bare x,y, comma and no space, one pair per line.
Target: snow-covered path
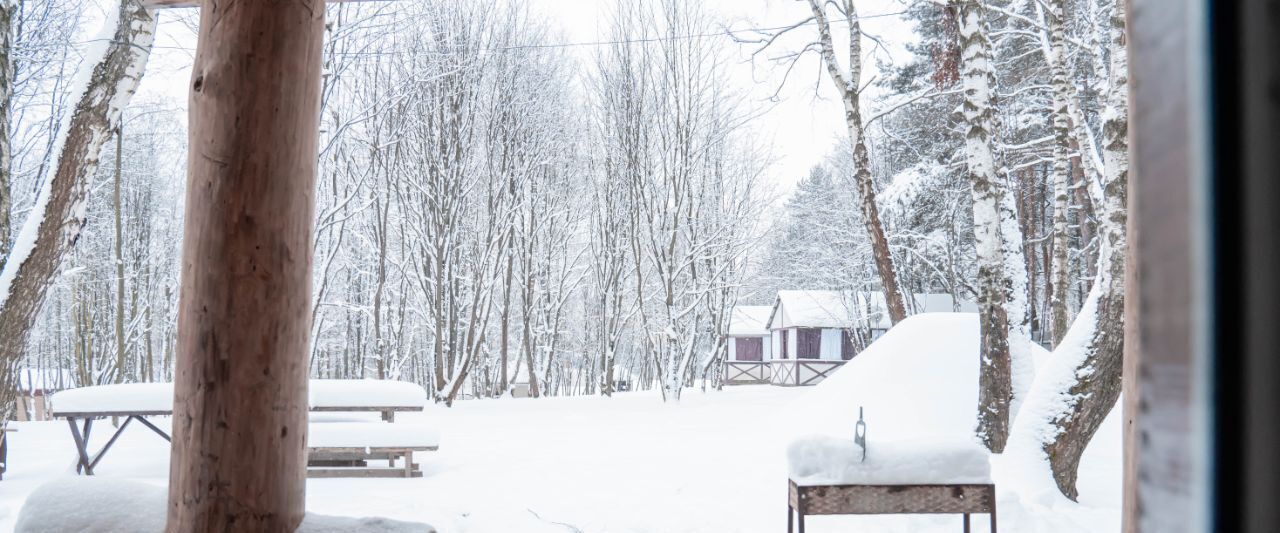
713,463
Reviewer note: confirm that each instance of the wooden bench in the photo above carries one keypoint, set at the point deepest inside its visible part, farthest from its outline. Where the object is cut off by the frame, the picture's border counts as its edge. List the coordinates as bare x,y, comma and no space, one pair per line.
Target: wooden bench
963,499
343,449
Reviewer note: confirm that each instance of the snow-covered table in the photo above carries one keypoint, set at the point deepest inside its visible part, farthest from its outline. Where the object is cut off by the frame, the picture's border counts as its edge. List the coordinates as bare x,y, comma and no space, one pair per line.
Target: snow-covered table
137,401
829,476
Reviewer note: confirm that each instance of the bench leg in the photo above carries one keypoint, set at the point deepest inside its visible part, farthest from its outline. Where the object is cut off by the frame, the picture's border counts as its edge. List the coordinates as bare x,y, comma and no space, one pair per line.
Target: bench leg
791,516
966,523
408,464
801,520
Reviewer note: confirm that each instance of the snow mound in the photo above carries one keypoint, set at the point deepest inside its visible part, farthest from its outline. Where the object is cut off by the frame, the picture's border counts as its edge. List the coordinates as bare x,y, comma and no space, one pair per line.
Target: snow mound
826,460
103,505
918,381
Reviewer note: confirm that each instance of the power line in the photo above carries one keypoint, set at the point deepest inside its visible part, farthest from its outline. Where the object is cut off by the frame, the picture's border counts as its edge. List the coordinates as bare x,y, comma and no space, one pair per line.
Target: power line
647,40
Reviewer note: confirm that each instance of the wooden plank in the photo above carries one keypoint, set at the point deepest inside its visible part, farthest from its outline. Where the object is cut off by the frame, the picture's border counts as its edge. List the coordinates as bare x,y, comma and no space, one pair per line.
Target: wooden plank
361,472
366,408
239,460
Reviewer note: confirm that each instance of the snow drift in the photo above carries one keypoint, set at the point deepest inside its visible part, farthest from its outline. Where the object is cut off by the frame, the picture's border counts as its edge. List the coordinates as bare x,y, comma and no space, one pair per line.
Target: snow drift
919,381
102,505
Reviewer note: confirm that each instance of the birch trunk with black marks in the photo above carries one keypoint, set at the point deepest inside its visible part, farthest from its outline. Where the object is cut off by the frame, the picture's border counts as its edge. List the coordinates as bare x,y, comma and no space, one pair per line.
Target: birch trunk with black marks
849,96
1082,382
1002,287
106,82
1059,313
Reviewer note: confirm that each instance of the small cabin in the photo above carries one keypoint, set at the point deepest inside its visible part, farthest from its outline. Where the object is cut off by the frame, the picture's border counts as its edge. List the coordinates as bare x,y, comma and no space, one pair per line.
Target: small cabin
749,345
810,335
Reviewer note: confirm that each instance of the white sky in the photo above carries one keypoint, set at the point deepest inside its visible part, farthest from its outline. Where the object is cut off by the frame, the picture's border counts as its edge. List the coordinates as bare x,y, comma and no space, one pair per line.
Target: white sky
801,127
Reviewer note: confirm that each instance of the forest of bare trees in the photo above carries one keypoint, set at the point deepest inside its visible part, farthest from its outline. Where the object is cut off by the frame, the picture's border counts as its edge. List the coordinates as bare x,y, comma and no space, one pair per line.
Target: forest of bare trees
494,210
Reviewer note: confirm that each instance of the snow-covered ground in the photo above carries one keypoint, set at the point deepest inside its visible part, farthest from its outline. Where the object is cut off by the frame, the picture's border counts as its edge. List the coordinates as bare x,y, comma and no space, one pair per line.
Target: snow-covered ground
716,462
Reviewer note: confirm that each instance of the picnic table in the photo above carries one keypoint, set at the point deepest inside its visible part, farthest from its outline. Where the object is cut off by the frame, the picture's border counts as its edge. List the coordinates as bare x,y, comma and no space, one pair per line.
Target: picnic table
138,401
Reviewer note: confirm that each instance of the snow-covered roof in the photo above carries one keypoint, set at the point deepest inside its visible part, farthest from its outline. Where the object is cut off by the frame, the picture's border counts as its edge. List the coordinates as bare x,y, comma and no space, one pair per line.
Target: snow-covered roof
812,309
45,379
750,320
842,309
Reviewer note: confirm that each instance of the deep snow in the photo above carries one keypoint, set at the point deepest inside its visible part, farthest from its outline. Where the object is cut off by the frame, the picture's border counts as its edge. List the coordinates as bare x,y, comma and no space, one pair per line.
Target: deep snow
714,463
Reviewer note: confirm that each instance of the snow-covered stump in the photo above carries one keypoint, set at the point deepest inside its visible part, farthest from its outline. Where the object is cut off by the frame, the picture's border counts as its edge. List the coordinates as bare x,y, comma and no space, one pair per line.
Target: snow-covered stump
98,505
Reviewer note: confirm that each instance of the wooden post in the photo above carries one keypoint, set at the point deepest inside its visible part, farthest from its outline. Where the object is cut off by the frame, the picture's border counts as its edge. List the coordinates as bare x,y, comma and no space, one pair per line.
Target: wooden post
1167,329
240,405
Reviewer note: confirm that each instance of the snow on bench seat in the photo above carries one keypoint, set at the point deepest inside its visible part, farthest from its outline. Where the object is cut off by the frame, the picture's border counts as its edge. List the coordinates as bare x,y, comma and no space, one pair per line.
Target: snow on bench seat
157,398
372,435
826,460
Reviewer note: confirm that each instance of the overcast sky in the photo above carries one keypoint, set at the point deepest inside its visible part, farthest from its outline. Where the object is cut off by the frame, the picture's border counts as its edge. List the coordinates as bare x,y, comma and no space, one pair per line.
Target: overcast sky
801,127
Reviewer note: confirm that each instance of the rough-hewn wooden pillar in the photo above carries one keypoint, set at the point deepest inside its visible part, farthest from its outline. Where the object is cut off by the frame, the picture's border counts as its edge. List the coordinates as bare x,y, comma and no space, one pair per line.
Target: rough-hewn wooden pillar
240,411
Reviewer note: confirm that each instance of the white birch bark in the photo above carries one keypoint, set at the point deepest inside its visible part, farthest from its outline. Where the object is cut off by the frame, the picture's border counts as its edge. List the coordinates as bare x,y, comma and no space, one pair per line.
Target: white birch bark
108,77
1061,179
1002,298
1082,382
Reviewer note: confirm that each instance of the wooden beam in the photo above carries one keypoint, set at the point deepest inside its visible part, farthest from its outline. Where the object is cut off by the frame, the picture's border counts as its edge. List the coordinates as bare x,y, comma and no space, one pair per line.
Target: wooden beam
166,4
1166,374
239,460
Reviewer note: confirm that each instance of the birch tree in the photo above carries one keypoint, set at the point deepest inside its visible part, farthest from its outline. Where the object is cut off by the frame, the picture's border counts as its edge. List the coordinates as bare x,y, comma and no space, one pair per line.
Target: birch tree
1059,318
1082,383
108,77
1001,283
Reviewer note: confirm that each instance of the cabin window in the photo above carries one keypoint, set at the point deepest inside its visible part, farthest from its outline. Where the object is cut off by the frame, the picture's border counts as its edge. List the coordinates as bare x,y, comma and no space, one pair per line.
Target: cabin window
785,351
847,349
808,343
749,349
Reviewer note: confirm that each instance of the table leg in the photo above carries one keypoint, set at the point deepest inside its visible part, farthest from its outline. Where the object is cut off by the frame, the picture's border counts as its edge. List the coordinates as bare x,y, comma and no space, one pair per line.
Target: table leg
993,511
791,515
966,523
153,427
801,520
80,447
98,456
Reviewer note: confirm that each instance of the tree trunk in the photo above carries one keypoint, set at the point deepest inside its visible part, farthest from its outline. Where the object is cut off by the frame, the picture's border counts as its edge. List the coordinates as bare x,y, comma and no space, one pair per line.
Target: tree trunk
1059,314
109,74
240,407
1002,302
1086,368
119,259
848,89
8,11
